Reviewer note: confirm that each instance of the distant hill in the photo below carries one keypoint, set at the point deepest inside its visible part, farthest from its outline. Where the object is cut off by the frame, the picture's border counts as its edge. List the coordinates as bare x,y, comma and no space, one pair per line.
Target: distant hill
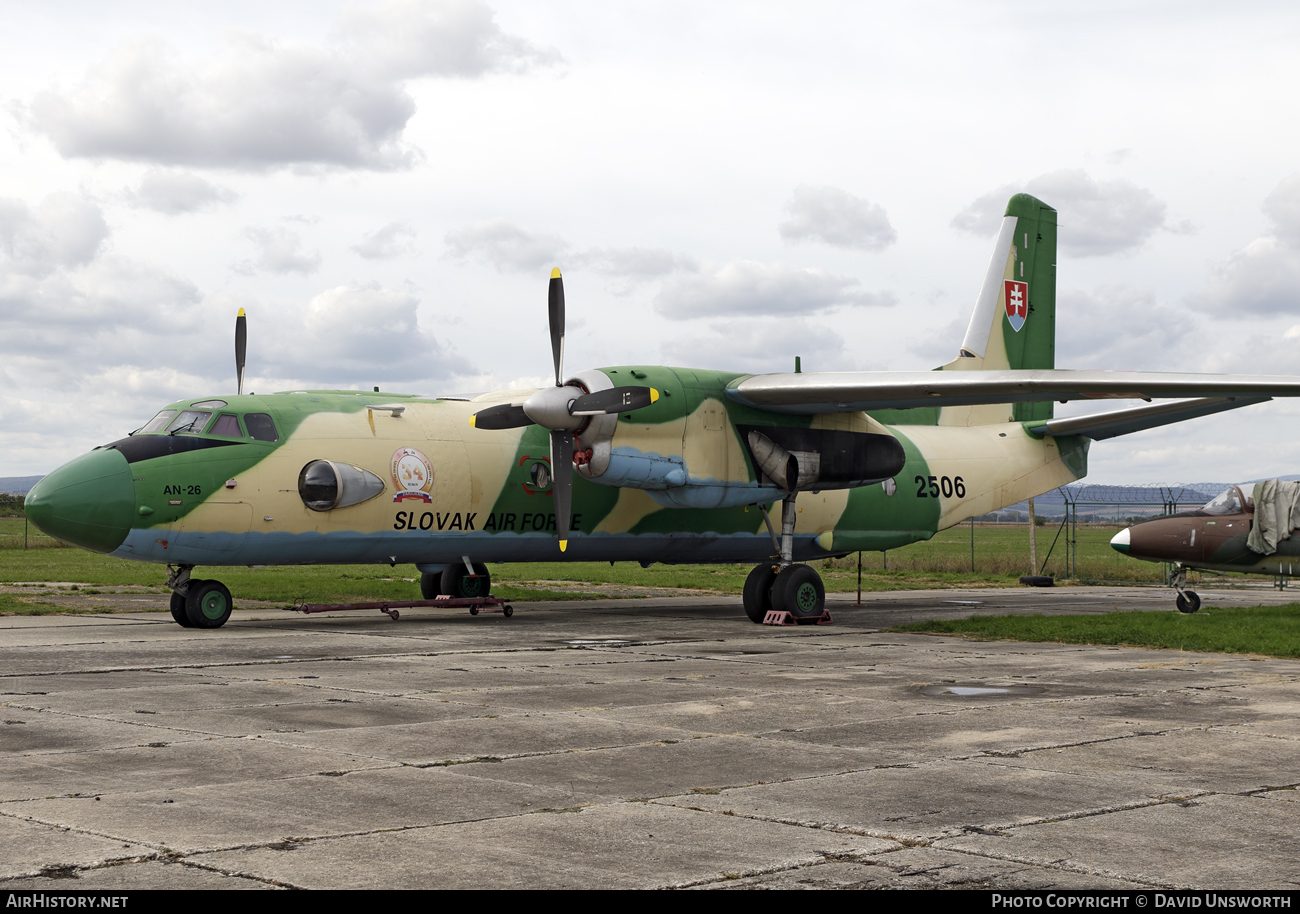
18,485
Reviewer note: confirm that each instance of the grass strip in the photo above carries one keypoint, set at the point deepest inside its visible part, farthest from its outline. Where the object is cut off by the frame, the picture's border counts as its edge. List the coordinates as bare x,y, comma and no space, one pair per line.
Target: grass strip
1273,631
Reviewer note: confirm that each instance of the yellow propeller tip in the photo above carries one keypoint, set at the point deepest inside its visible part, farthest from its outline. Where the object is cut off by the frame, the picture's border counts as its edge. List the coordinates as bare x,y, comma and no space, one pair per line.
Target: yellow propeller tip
555,273
654,395
471,422
564,544
241,312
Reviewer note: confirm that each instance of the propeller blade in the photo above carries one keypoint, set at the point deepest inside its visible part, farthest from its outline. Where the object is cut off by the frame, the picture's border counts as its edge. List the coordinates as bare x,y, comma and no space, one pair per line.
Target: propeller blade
614,400
507,415
241,348
555,300
562,482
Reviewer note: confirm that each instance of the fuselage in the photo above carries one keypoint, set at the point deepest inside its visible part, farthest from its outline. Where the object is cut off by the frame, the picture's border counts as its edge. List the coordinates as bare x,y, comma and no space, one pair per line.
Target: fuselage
228,481
1212,537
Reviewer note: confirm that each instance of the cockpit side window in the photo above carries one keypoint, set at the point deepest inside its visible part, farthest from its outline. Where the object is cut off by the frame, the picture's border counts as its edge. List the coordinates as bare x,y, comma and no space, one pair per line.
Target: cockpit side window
226,425
1226,502
261,427
158,422
190,421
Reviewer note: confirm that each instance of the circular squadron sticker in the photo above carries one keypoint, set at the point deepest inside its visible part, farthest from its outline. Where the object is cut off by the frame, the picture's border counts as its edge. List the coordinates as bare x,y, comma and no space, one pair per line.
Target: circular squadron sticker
412,475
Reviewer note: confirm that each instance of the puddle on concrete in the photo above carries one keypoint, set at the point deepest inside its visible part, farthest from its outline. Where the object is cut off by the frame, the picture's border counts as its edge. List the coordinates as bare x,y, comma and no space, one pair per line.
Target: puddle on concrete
950,690
607,642
965,602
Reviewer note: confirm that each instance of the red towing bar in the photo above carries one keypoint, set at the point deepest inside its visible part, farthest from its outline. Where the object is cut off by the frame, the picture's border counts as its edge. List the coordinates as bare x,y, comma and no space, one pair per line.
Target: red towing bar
476,605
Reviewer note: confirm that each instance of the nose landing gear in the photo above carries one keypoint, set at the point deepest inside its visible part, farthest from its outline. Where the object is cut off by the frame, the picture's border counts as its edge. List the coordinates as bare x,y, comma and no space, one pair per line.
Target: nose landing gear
1189,601
195,603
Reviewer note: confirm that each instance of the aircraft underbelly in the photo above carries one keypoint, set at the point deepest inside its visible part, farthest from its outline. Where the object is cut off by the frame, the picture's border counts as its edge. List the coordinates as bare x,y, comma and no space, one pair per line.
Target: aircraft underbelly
348,548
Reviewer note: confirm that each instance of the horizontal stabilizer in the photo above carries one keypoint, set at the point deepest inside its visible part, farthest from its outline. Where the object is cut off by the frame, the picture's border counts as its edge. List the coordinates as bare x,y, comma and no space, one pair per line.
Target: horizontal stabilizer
1125,421
809,393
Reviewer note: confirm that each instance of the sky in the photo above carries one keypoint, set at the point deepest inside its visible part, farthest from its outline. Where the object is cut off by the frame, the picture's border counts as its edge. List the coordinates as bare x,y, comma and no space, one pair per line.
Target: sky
385,187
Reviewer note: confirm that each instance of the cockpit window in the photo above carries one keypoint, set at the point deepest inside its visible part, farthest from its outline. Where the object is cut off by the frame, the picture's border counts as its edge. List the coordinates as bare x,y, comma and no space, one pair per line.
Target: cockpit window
226,425
158,422
260,427
1226,502
190,421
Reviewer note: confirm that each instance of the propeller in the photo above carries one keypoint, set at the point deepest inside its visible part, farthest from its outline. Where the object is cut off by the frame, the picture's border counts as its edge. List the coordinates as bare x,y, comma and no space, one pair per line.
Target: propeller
241,348
562,410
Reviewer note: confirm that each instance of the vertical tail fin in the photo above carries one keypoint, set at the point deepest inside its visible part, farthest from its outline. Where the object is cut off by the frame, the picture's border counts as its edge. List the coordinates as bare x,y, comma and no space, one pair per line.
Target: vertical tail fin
1014,322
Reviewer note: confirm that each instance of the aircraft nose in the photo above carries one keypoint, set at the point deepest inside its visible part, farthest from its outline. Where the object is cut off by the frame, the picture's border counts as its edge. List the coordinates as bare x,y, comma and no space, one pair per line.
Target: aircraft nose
89,502
1119,542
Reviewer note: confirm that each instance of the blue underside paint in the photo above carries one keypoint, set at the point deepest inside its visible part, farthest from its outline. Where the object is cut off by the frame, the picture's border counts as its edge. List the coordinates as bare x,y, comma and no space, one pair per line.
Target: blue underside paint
344,548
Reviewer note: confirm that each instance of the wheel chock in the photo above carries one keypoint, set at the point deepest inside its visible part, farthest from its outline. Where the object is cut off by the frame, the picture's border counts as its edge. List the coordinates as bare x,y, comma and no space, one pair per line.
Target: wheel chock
781,617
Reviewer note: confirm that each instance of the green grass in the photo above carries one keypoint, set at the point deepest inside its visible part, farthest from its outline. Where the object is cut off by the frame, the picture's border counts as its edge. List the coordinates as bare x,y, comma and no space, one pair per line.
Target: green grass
1001,556
1270,630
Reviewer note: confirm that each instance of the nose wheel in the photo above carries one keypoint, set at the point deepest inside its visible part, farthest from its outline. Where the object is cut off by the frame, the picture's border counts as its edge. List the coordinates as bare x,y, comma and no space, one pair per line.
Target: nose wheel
1189,601
196,603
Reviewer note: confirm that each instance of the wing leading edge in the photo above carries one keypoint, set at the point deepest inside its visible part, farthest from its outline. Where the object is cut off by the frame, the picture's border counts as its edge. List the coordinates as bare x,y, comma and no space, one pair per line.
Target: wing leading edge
810,393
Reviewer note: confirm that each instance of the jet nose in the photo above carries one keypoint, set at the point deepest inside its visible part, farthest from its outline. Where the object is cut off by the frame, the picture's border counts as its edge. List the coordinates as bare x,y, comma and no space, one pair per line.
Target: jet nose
89,502
1119,542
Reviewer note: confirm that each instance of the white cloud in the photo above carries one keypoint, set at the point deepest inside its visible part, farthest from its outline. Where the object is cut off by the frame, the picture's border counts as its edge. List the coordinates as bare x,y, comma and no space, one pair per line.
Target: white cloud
1263,277
386,242
634,264
359,333
279,250
747,287
762,346
1115,327
506,246
837,218
1283,207
458,38
176,192
64,231
1094,217
264,103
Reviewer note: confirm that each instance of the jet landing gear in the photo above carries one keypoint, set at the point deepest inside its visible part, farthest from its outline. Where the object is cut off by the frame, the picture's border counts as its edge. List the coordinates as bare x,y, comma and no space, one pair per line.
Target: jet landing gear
785,587
195,603
1188,600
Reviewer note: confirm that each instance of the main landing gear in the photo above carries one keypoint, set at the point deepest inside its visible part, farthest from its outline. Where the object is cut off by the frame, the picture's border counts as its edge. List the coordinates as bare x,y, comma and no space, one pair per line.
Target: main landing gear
784,586
1188,600
460,580
195,603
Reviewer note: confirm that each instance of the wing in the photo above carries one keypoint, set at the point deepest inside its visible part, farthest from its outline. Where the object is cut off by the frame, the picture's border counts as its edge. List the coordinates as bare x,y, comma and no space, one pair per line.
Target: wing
839,392
1125,421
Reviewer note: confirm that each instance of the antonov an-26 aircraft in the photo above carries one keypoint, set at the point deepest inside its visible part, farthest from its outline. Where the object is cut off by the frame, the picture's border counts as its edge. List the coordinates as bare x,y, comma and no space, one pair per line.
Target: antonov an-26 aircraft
628,463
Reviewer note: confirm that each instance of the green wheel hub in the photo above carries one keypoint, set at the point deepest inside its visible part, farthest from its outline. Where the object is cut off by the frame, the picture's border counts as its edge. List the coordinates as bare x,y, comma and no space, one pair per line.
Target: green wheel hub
806,597
214,604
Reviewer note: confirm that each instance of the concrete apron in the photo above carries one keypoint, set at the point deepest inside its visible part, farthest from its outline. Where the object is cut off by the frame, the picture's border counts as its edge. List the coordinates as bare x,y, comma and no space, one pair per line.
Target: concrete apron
639,743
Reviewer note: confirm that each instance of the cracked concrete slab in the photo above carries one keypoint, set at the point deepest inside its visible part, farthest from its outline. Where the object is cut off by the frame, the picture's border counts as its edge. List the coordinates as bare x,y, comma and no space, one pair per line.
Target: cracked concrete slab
219,758
1225,842
920,802
1218,759
924,868
192,762
33,847
624,846
192,819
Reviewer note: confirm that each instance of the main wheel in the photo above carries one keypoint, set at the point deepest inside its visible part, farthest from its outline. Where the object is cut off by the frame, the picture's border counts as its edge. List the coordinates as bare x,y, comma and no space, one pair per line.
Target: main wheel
460,584
799,591
208,604
758,593
1189,601
430,586
178,610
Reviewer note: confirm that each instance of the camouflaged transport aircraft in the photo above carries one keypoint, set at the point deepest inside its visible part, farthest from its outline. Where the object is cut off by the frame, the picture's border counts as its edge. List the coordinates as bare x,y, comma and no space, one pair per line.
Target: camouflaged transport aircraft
628,463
